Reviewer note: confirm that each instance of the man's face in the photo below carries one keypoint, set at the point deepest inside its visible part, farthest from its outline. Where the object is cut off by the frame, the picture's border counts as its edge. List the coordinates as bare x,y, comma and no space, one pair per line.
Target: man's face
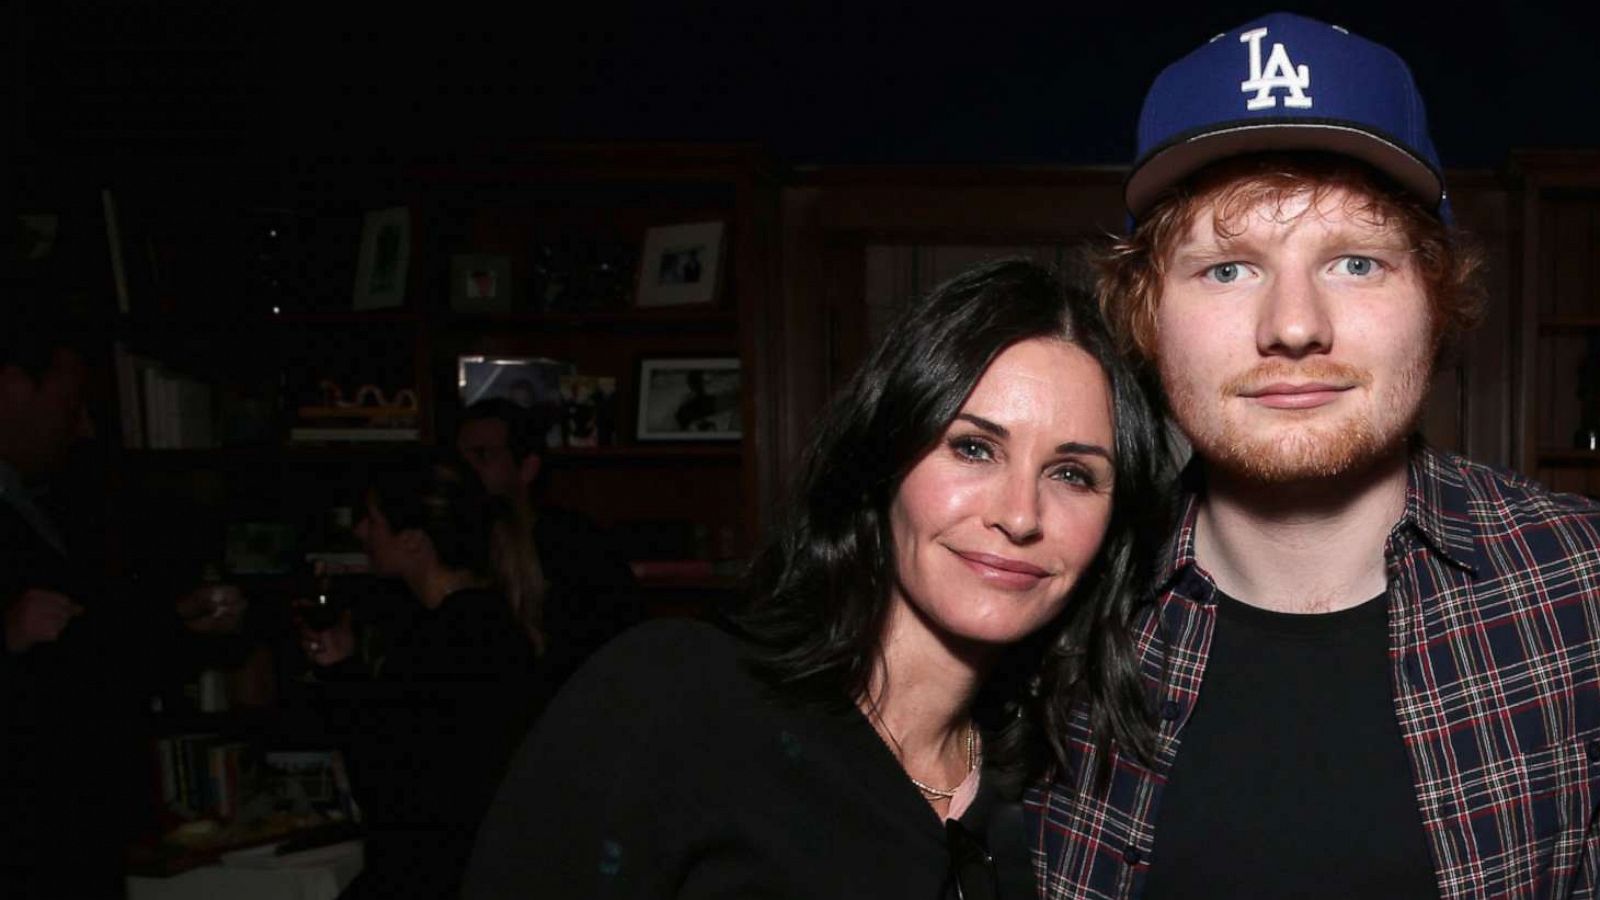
1299,347
49,415
485,446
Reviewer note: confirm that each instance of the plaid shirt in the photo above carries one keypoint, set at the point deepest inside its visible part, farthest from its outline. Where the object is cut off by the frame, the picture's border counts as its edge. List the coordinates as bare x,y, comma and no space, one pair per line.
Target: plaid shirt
1494,641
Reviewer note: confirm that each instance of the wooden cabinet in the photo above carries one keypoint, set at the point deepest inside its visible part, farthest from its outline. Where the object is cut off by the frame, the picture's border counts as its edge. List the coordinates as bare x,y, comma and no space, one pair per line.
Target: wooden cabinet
1558,377
572,221
539,209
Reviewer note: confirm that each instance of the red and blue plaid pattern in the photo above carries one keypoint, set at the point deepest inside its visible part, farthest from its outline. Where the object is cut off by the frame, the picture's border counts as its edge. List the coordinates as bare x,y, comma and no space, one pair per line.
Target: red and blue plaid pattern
1494,649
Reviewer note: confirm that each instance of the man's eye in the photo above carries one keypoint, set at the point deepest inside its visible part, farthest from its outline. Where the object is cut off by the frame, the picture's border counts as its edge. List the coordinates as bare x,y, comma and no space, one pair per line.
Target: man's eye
1360,266
1224,273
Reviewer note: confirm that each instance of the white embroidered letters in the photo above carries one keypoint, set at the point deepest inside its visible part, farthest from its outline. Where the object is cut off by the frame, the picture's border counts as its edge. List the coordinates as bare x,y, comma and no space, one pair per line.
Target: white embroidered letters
1279,73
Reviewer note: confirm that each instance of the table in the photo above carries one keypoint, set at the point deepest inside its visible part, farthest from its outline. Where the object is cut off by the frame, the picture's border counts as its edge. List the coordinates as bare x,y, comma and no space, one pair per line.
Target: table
257,874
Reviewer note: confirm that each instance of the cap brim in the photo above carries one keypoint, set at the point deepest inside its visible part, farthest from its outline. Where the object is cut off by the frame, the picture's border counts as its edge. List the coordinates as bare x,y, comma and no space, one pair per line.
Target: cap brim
1170,165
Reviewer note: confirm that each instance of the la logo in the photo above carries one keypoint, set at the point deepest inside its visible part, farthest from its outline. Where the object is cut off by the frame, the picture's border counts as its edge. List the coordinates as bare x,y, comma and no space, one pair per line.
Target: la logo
1280,73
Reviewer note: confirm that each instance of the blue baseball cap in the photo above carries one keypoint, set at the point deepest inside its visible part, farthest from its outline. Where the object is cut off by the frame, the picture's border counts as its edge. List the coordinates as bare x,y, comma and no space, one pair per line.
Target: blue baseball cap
1284,82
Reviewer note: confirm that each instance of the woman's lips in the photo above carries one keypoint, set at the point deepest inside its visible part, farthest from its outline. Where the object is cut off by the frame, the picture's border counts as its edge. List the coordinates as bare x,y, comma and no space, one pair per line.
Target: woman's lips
1003,571
1296,396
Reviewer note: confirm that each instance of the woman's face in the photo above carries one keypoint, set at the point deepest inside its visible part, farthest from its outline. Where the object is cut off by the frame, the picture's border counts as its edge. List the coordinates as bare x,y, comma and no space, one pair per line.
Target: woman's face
994,525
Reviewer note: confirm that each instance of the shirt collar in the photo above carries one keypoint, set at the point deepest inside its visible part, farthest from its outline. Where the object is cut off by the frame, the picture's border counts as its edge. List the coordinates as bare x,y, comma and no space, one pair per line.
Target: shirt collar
13,489
19,496
1178,559
1437,504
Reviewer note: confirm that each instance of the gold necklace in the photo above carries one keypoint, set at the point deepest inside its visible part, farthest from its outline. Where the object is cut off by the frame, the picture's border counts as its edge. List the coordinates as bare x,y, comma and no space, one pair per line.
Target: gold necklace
933,793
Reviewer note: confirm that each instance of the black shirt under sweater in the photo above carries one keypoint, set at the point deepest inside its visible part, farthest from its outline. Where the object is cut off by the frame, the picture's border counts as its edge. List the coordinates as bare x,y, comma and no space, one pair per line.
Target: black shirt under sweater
1291,779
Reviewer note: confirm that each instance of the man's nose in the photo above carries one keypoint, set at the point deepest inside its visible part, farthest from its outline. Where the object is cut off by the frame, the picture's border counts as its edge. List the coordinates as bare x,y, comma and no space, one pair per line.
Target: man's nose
1294,318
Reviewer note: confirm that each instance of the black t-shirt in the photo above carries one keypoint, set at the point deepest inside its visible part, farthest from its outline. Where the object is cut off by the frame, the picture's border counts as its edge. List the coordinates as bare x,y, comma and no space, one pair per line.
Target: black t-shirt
1291,778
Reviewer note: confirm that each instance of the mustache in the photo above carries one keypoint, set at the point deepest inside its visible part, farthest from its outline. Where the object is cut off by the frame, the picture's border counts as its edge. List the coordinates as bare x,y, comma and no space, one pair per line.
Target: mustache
1277,371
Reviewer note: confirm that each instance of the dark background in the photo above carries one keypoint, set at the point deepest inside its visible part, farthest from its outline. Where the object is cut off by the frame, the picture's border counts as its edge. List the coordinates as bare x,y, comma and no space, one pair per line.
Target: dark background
102,88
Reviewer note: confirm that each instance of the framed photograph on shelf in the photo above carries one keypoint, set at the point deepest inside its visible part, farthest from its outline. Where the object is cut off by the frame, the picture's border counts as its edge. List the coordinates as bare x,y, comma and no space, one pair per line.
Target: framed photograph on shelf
689,399
480,283
385,258
531,382
682,265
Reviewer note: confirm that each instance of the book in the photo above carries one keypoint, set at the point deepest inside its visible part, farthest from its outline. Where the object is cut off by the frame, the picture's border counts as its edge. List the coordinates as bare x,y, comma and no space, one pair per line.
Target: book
119,272
159,409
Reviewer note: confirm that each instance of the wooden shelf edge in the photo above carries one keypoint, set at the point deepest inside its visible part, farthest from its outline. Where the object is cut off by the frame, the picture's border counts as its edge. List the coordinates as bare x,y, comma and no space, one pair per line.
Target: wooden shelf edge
1562,456
625,320
1568,323
729,452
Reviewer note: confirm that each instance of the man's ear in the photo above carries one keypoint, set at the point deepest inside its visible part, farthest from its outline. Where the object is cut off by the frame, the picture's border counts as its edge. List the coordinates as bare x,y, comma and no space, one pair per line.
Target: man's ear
529,470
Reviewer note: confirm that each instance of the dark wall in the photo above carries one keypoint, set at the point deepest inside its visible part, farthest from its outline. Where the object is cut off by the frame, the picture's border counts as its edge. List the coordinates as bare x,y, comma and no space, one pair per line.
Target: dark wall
119,83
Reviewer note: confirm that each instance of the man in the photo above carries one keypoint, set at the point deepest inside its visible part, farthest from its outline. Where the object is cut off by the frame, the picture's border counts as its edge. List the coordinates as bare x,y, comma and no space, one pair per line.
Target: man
1371,667
73,778
66,760
580,594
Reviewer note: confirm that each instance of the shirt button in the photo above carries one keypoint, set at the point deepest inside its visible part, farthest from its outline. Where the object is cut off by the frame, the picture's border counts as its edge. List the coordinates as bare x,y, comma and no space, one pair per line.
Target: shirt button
1132,856
1170,710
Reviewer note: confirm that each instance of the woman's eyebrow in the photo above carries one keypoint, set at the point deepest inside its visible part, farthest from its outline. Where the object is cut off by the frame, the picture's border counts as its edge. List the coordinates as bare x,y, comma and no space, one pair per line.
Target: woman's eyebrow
1068,448
994,428
1074,447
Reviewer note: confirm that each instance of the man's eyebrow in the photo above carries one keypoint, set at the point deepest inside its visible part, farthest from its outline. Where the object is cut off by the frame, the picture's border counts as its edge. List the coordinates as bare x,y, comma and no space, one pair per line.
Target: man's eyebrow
1365,239
1207,250
1070,447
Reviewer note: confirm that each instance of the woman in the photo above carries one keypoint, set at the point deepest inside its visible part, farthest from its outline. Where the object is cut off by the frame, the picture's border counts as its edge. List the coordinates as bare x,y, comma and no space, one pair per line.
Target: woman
431,724
909,630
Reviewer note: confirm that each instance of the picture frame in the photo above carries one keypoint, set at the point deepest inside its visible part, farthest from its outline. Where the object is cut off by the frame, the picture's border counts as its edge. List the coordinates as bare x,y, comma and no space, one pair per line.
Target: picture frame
480,283
689,399
681,266
531,382
385,259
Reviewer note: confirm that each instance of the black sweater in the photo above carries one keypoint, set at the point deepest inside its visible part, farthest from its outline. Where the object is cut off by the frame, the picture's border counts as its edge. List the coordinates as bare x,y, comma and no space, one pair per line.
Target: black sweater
666,769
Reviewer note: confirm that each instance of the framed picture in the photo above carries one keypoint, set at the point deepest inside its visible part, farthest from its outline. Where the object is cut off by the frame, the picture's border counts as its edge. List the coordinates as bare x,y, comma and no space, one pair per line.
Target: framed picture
682,265
531,382
480,283
689,399
385,257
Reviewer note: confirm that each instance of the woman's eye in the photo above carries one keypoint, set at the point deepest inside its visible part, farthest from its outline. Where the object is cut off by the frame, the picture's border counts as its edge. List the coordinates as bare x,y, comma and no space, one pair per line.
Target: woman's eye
1075,475
1225,273
1359,266
970,448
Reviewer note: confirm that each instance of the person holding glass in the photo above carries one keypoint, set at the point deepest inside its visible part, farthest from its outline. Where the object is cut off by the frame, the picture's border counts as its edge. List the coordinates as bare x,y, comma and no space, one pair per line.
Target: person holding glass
431,723
976,503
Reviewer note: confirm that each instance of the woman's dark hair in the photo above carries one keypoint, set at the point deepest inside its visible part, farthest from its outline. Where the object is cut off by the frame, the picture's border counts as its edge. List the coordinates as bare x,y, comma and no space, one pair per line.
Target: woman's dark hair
819,591
443,500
